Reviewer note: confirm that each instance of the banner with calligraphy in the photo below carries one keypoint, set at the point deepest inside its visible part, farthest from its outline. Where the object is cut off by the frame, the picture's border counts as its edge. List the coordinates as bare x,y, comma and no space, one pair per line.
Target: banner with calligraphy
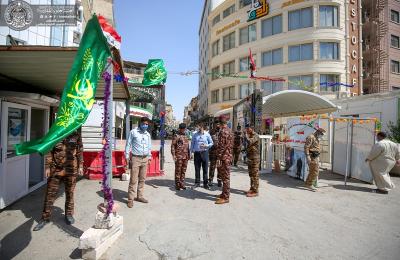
79,91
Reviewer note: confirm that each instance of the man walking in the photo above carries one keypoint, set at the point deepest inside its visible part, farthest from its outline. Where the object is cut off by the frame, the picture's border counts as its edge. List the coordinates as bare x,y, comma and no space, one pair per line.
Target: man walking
224,159
201,142
139,145
213,155
253,160
63,164
237,145
312,151
180,151
382,158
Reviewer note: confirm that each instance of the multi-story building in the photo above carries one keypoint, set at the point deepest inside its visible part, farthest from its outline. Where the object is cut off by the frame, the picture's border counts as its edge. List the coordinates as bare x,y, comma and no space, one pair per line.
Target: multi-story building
191,112
381,45
312,45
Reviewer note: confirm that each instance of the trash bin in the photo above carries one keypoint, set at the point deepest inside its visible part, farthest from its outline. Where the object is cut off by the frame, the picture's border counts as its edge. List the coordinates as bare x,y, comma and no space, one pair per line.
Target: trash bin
153,168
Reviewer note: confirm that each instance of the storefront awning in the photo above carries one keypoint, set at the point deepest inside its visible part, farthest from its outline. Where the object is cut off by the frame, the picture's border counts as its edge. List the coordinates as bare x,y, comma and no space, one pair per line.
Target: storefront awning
44,70
140,112
223,112
296,103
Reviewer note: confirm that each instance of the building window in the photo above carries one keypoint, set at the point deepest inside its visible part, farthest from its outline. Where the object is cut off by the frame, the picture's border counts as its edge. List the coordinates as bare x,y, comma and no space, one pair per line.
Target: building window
229,41
243,3
215,48
228,93
329,50
271,87
229,68
271,26
272,57
301,52
395,66
301,18
228,11
300,82
215,73
395,41
248,34
215,96
394,16
325,80
244,63
216,20
246,90
328,16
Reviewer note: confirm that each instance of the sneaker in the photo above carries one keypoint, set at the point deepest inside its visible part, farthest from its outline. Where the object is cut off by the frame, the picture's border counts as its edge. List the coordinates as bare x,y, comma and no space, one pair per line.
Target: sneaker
69,220
143,200
177,188
41,224
221,201
130,204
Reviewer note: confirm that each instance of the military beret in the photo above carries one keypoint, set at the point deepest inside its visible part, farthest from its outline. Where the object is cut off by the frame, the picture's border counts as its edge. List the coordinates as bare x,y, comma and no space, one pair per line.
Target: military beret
182,126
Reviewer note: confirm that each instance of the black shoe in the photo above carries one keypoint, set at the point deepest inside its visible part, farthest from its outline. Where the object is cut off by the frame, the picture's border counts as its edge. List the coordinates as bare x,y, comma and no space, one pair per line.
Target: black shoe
41,224
69,220
206,187
219,183
177,188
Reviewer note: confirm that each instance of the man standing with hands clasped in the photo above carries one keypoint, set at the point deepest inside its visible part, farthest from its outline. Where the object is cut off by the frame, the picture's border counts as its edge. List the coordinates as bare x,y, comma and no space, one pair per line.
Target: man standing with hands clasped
180,151
139,144
312,150
201,142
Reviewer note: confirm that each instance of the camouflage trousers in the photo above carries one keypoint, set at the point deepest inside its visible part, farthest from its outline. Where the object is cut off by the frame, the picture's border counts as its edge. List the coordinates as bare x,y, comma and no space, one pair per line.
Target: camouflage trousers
213,166
180,170
253,166
313,171
53,184
236,153
224,171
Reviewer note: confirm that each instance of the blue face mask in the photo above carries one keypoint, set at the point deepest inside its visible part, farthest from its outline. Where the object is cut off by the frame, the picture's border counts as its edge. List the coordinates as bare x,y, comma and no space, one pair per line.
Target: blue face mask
144,127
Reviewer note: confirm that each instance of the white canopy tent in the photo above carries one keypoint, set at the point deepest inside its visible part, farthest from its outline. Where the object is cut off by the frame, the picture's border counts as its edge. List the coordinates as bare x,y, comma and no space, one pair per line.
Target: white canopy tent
296,103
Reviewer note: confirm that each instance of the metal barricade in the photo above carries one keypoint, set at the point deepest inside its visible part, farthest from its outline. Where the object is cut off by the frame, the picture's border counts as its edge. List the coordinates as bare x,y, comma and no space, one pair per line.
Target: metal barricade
279,152
266,153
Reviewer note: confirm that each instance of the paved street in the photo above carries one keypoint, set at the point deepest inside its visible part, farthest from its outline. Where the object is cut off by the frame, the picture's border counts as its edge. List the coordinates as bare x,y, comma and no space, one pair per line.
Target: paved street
284,222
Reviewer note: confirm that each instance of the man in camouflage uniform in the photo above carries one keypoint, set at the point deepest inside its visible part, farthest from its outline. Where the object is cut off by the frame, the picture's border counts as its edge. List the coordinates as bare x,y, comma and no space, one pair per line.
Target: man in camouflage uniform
312,151
212,154
62,165
224,159
253,160
180,151
237,145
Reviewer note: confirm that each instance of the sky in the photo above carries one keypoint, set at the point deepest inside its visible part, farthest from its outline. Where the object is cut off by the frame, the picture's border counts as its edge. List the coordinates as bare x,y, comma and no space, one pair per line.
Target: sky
165,30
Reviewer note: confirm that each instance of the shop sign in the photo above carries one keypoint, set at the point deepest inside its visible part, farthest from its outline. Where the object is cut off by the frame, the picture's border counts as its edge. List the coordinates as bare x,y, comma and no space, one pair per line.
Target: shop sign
258,9
228,26
354,45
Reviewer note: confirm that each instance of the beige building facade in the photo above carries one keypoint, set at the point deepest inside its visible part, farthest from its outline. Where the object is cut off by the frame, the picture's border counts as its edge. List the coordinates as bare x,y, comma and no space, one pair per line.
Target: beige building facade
304,42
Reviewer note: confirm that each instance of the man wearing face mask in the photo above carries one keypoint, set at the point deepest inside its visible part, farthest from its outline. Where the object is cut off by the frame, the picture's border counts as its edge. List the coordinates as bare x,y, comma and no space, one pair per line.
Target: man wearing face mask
139,145
312,151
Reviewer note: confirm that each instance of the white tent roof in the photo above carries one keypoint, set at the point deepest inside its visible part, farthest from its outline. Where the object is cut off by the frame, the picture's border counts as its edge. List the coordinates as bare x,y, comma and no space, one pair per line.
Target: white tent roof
295,103
223,111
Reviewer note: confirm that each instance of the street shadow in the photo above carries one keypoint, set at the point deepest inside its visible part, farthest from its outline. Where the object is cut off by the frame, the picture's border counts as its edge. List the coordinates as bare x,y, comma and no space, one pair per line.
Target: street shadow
191,192
352,188
31,206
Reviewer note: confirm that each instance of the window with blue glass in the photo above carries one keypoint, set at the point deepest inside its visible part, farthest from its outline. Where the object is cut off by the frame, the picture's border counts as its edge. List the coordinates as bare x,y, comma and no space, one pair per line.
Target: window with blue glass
228,41
303,82
327,82
247,34
329,50
301,18
271,26
243,3
328,16
301,52
272,57
244,63
228,11
271,87
247,89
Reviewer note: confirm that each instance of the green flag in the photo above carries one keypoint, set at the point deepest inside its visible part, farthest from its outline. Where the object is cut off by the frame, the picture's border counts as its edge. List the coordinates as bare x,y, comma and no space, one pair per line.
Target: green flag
79,91
155,73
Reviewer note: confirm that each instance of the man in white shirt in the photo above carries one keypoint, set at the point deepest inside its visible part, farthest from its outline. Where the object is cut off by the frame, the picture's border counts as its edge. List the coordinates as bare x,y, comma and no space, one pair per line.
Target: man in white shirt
139,145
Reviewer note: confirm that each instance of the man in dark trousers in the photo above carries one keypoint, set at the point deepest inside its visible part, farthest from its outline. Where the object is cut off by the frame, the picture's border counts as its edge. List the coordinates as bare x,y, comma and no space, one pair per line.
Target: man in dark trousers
201,142
224,159
63,164
180,151
213,155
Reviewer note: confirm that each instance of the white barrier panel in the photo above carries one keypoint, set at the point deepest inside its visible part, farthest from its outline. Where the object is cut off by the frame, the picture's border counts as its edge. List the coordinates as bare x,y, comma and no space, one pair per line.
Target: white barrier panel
266,153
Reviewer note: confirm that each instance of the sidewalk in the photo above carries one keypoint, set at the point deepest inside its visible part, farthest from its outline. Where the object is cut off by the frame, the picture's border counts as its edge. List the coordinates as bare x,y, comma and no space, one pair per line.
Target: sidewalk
284,222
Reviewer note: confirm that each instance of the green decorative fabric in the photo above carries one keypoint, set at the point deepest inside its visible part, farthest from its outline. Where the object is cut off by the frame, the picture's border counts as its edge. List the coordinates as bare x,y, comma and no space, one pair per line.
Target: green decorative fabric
155,73
79,91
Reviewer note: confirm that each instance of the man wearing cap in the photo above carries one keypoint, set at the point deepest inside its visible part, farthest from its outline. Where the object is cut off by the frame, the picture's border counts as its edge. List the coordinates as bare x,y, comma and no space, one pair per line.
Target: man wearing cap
312,151
201,142
253,159
212,155
139,145
180,151
237,144
224,159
